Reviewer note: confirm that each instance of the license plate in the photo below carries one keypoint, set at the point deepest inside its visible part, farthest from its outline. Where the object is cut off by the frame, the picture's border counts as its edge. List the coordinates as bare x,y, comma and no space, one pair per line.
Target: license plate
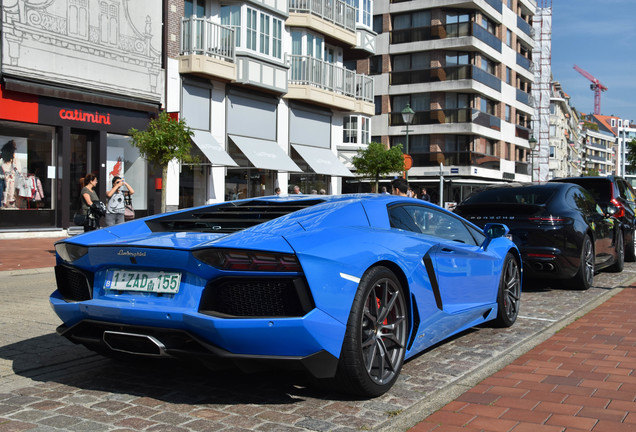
145,281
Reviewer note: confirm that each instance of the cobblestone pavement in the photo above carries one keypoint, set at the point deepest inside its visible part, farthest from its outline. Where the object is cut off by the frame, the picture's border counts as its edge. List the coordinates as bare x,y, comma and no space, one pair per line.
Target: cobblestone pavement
49,384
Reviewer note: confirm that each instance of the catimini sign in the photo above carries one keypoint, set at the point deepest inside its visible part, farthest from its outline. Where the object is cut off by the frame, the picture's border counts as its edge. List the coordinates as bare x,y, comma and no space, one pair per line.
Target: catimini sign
62,112
87,117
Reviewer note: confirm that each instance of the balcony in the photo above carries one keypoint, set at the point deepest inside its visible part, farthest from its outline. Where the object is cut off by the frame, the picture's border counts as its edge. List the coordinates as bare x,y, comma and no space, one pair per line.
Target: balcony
522,132
418,34
459,115
333,18
460,158
328,84
524,62
450,73
523,168
524,26
207,49
496,5
523,97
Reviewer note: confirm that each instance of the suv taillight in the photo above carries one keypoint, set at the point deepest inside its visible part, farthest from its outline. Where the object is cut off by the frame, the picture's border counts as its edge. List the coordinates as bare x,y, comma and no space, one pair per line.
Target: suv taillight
621,210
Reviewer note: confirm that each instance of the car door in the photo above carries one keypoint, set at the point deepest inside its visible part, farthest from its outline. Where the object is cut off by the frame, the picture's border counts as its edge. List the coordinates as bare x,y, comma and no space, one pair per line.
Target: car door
602,226
464,273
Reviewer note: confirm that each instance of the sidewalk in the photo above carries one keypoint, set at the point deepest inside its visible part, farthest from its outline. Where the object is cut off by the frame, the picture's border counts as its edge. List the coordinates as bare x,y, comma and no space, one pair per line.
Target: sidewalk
27,253
581,379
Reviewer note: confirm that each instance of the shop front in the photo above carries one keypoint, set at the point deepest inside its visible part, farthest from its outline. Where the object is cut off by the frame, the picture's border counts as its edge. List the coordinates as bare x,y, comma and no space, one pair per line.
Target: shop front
57,142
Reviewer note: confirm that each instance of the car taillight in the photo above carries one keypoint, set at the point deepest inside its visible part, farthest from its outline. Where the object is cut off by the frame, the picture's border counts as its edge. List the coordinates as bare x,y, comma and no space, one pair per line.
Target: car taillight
621,210
549,220
245,260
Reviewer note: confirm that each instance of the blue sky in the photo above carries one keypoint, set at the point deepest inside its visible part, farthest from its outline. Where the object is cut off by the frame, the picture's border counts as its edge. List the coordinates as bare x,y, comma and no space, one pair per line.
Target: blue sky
600,37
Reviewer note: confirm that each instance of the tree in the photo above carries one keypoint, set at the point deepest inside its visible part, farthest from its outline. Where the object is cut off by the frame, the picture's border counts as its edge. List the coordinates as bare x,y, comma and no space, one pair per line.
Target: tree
376,160
164,140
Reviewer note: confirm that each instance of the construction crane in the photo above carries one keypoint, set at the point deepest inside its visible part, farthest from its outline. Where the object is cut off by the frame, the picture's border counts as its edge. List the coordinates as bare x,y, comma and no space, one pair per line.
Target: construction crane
596,86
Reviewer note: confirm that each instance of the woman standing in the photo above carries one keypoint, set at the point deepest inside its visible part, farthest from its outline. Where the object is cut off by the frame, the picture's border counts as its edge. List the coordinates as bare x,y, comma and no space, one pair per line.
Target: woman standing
117,201
10,170
89,196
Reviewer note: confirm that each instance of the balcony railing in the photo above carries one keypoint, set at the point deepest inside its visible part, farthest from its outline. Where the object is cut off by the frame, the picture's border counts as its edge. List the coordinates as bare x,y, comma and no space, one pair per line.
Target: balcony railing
523,168
524,62
523,97
435,32
496,4
522,132
201,36
306,70
524,26
449,73
335,11
459,115
460,158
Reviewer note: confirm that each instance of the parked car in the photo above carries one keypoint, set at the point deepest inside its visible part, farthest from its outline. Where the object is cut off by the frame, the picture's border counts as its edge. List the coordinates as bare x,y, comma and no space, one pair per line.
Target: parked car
560,230
613,191
346,287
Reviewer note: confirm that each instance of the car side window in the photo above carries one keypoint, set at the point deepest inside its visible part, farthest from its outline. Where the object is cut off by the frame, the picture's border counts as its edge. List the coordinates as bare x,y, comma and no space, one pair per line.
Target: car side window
425,220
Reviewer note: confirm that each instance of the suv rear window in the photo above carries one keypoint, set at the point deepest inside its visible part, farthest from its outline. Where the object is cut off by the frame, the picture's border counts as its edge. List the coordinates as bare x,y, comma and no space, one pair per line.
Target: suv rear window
513,195
601,189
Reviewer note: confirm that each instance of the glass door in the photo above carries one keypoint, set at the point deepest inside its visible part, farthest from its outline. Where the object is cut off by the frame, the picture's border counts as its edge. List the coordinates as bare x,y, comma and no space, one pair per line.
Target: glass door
84,160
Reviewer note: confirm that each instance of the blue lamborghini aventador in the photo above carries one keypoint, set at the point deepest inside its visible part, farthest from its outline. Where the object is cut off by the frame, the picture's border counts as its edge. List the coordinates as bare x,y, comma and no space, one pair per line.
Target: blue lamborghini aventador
345,287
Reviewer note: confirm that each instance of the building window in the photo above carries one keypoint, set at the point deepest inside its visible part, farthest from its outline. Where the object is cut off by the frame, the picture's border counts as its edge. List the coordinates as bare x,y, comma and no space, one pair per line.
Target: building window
277,38
350,130
508,75
250,42
488,25
364,130
264,40
552,152
231,17
508,113
377,100
552,130
194,8
366,12
488,106
509,38
375,65
377,23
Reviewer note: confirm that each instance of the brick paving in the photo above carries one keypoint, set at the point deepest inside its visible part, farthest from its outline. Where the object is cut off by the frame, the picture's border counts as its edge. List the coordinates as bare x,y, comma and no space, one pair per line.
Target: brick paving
580,379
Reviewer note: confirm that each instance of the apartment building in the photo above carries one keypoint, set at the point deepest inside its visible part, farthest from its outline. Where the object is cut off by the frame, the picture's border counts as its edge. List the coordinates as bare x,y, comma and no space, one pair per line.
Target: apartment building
75,77
566,144
271,91
465,68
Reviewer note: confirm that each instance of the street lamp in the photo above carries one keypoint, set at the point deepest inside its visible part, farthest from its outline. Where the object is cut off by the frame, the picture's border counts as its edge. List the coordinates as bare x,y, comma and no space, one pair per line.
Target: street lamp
532,142
407,118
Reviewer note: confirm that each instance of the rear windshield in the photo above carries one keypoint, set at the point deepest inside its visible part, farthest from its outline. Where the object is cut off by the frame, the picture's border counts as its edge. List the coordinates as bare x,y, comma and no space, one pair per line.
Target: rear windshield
516,195
601,189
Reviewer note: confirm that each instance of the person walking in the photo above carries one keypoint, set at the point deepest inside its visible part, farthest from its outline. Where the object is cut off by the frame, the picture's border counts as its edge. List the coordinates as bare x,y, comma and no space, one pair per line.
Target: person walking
117,201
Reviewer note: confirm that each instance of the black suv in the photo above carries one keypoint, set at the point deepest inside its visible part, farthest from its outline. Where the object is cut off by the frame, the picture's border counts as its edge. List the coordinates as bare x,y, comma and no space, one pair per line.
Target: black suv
613,191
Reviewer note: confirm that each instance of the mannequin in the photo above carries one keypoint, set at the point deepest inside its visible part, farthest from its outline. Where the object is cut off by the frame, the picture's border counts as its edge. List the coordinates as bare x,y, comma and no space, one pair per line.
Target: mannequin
10,168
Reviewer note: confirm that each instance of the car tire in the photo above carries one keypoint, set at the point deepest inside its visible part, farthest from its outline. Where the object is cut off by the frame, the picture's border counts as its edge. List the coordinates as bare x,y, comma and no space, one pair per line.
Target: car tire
584,277
375,340
509,294
630,247
617,267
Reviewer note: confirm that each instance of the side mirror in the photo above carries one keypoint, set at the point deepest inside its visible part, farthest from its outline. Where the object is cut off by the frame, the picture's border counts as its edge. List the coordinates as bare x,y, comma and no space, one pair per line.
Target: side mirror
495,230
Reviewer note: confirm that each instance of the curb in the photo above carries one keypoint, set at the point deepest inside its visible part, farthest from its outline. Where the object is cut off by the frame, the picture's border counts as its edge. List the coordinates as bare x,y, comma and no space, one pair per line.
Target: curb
440,398
23,272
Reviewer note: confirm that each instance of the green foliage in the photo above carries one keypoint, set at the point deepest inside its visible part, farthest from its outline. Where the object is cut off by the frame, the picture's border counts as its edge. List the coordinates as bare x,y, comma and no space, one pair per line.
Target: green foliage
376,160
592,172
590,125
164,140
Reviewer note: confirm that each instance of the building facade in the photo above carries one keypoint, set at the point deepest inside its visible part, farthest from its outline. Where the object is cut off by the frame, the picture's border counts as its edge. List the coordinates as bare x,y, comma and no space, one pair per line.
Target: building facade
566,144
465,68
75,77
271,92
